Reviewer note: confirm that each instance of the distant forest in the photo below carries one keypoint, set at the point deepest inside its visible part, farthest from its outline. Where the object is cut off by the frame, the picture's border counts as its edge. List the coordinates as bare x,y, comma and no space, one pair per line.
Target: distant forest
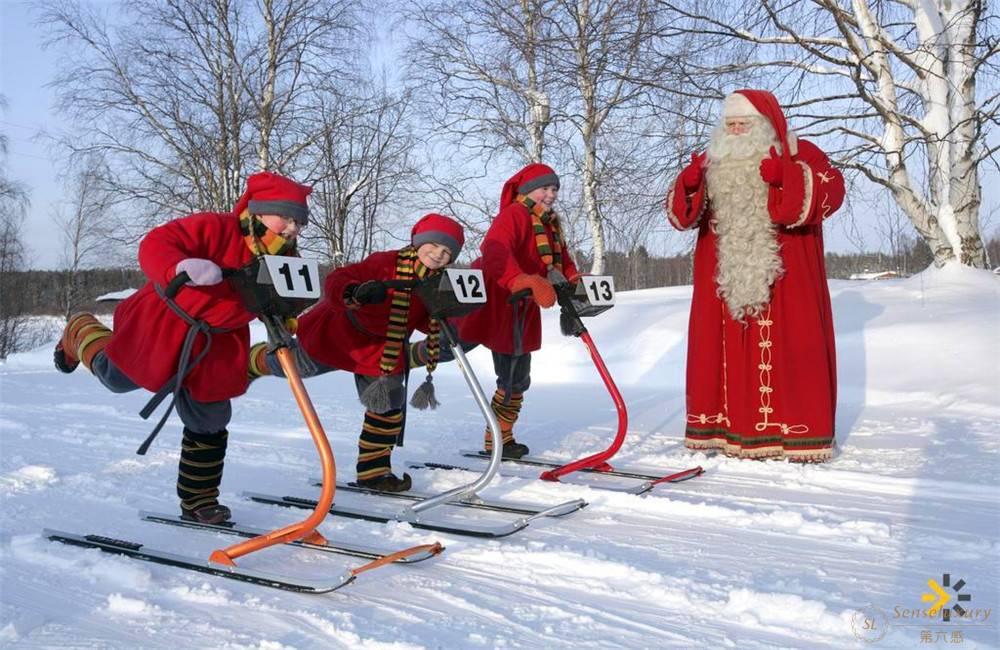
45,292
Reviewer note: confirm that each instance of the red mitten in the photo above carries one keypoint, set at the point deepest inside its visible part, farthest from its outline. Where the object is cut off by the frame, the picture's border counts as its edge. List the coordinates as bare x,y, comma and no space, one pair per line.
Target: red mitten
692,175
541,289
772,169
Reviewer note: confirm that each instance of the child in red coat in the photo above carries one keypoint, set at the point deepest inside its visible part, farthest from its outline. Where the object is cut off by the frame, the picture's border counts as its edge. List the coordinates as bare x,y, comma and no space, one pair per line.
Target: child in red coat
145,348
363,326
523,249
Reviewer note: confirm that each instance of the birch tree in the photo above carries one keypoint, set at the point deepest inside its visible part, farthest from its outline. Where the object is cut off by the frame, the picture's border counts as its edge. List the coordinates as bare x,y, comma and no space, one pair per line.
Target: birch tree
490,67
184,98
907,88
559,81
600,46
13,255
80,222
358,169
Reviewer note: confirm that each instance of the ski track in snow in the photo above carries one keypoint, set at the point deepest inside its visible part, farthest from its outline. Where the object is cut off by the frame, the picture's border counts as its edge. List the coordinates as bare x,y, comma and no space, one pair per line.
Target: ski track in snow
749,555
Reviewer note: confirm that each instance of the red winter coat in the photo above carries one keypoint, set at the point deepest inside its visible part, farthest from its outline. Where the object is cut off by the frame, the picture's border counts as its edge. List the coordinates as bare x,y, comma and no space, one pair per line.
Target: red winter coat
768,387
327,333
508,251
148,336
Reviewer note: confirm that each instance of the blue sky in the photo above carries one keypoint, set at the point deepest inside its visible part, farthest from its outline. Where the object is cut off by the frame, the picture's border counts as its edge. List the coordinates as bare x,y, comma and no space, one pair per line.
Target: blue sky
26,69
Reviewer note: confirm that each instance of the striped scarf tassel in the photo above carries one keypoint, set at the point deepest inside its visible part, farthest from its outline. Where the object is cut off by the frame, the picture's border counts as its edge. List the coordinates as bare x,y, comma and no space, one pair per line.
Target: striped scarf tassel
424,397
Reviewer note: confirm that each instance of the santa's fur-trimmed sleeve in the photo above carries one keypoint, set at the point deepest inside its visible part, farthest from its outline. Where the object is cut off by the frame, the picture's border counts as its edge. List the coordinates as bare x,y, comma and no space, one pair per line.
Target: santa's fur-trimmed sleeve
684,210
811,191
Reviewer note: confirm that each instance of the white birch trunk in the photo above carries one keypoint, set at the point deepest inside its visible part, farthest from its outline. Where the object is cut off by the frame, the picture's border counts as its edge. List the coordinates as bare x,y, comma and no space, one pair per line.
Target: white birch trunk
946,214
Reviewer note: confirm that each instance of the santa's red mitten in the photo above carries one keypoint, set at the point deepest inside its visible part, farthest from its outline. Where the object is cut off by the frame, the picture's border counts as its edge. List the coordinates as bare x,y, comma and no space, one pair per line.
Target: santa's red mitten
772,169
541,289
693,174
790,204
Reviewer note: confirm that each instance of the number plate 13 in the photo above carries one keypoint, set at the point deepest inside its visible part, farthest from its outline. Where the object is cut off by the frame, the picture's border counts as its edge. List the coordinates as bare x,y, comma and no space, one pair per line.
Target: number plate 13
600,289
293,277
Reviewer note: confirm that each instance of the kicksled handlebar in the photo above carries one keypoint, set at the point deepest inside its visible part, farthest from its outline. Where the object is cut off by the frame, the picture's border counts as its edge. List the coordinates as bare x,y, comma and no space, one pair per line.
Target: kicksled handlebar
181,279
517,296
569,318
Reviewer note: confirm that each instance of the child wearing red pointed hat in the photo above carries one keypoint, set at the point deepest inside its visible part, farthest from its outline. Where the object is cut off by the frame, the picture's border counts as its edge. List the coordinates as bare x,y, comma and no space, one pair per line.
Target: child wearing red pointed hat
524,249
363,326
145,348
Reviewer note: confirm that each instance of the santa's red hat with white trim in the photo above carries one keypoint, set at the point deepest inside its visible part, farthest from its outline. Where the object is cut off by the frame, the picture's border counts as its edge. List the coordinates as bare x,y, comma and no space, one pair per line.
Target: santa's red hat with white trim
745,103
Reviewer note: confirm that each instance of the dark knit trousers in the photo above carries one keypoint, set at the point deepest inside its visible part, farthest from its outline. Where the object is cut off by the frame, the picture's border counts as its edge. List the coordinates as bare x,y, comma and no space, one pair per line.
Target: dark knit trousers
200,417
203,447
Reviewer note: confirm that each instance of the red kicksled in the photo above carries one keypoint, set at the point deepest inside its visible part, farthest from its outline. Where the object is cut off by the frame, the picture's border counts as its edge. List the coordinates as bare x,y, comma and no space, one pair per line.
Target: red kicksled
575,303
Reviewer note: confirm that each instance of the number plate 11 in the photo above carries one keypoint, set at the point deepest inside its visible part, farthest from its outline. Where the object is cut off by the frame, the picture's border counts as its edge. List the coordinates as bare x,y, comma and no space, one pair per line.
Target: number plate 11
293,277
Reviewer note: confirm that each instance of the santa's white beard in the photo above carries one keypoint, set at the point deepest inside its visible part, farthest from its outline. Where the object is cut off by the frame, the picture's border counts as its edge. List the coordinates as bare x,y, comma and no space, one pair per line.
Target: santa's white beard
749,262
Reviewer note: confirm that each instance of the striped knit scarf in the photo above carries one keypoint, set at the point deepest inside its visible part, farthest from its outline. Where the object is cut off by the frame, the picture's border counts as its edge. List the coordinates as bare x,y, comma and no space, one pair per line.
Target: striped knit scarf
376,396
261,240
408,267
551,254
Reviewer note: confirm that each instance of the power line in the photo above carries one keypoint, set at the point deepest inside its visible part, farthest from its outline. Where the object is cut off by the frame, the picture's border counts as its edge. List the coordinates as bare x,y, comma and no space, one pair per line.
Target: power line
11,153
37,127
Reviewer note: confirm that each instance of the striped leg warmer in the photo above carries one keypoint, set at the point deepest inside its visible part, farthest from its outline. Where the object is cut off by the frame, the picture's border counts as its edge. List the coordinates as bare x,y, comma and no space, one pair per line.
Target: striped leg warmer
258,364
506,416
200,471
82,339
378,437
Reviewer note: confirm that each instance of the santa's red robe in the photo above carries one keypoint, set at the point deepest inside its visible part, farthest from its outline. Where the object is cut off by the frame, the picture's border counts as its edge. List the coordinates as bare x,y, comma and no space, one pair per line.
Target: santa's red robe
765,387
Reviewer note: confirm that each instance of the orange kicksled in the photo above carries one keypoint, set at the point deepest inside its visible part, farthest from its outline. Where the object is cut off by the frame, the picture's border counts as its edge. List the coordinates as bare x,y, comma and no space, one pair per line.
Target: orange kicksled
271,290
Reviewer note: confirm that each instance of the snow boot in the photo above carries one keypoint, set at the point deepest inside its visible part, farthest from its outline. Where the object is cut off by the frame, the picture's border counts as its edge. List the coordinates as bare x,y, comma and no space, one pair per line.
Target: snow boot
387,483
213,513
513,450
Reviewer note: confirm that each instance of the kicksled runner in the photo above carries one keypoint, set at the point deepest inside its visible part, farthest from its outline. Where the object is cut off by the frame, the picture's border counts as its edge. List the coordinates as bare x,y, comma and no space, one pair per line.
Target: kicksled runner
592,296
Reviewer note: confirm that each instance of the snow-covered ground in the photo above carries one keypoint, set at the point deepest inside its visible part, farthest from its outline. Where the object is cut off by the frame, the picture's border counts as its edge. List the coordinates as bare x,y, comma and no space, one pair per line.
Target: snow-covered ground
750,555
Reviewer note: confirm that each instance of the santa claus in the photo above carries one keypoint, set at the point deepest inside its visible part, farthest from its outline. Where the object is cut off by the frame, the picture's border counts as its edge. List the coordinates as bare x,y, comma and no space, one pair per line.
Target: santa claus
761,373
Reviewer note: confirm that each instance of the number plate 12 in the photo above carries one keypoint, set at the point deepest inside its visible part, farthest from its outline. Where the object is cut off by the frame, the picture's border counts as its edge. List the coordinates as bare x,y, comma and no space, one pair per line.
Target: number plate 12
468,285
293,277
